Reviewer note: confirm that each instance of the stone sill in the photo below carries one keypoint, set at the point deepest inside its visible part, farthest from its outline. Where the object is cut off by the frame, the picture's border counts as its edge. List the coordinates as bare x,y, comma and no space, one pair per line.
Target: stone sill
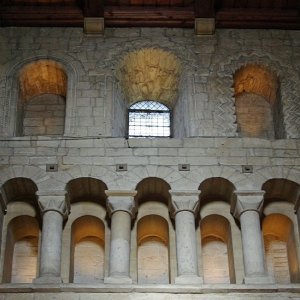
151,288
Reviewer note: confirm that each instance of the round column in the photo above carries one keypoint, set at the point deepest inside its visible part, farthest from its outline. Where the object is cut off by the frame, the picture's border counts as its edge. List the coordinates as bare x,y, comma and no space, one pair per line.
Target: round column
54,210
248,208
253,250
121,208
119,262
185,204
51,244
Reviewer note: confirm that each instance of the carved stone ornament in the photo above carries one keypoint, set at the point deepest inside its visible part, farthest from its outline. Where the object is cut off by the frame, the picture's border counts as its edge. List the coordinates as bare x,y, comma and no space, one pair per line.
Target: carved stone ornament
184,201
248,201
150,74
55,201
121,200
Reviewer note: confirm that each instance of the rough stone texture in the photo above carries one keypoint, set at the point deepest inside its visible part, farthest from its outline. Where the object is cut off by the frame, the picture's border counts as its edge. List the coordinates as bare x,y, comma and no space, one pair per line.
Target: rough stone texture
208,67
93,143
44,115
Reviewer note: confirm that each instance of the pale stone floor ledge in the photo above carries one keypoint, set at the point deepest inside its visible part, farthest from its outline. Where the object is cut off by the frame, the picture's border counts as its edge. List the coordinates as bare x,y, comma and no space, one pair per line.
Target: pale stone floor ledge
148,292
149,288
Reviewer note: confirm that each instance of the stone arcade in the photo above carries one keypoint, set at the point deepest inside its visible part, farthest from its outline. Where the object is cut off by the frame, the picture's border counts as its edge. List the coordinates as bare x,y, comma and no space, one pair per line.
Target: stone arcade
209,213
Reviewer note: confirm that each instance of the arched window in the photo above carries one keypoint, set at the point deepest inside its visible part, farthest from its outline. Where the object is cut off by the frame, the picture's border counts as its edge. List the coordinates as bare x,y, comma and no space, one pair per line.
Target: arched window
87,250
153,250
149,119
21,253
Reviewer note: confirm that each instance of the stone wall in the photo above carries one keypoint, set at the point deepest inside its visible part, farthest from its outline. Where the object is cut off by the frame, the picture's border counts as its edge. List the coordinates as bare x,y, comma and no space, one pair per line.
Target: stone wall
208,66
207,142
44,115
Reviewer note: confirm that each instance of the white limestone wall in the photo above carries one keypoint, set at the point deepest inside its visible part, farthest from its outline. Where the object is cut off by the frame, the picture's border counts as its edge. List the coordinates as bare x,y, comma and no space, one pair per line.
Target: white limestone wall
94,101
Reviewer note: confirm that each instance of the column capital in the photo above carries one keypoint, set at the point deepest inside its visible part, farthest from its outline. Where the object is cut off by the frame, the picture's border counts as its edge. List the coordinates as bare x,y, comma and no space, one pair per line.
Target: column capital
53,201
248,201
121,200
184,200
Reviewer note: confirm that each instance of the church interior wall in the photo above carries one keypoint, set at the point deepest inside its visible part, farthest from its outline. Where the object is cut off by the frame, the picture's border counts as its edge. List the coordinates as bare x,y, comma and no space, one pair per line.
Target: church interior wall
87,160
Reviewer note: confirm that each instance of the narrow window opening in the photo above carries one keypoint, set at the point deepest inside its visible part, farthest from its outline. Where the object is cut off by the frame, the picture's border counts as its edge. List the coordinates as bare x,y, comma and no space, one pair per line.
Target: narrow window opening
149,119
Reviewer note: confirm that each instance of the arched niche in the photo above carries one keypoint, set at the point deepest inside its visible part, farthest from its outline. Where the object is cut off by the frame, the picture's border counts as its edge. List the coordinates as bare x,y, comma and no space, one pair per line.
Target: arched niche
153,250
153,189
216,189
87,250
280,189
257,102
21,251
87,189
21,189
42,104
217,250
280,248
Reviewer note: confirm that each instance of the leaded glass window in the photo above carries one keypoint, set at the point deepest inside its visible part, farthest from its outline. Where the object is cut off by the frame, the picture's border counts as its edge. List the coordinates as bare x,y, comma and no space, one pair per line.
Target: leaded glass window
149,119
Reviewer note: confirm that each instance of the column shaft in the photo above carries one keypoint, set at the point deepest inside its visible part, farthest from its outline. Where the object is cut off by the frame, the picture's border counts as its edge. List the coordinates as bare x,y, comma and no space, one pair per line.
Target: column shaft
187,263
50,261
121,207
120,244
253,250
247,209
54,209
185,205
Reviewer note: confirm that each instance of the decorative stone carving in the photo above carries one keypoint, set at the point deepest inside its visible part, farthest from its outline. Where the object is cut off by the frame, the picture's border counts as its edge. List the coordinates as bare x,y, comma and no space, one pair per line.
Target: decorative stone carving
256,79
184,201
121,201
150,74
248,201
42,77
54,202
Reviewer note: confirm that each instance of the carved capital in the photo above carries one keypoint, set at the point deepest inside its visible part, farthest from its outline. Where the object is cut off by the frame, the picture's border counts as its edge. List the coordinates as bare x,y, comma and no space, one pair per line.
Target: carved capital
121,200
184,201
248,201
53,201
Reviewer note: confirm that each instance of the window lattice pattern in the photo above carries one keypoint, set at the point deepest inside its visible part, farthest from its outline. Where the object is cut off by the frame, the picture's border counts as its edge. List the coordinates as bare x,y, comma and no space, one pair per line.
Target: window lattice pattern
149,119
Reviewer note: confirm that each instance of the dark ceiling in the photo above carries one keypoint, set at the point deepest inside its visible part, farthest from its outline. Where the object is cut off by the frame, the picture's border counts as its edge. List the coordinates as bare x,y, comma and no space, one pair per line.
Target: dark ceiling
281,14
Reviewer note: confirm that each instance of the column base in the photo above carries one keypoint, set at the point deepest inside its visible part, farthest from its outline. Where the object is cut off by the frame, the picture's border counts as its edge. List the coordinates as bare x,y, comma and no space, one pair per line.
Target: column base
118,280
47,279
259,280
188,279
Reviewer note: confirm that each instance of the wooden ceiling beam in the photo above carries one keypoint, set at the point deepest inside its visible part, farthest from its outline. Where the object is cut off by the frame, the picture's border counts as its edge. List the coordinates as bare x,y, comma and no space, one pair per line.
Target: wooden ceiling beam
93,8
41,16
261,18
204,8
149,16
